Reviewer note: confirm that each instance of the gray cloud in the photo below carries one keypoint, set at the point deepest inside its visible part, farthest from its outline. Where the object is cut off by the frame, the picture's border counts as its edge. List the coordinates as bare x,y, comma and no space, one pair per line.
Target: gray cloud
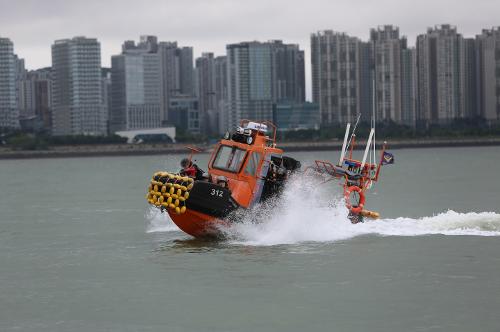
208,25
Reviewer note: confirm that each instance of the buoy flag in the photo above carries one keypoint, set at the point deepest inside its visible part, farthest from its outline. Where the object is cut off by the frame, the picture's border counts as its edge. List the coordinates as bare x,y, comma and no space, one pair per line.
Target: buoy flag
387,158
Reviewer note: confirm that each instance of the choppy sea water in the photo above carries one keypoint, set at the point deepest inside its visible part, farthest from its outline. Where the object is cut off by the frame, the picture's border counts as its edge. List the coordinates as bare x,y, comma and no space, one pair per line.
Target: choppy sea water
80,250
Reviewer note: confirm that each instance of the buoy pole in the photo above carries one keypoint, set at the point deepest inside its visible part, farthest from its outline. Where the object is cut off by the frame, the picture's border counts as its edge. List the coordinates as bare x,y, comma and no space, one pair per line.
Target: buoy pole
368,144
381,160
346,136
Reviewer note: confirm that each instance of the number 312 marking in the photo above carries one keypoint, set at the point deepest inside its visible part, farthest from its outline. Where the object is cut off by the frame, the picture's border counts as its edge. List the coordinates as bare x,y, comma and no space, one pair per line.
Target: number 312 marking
217,193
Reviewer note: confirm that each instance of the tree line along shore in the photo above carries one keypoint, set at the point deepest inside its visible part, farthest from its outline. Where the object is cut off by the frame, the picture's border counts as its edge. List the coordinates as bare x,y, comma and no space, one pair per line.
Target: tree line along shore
458,133
95,150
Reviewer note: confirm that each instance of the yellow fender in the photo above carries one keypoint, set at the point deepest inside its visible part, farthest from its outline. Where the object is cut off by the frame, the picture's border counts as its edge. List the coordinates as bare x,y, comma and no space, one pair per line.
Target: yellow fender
370,214
171,191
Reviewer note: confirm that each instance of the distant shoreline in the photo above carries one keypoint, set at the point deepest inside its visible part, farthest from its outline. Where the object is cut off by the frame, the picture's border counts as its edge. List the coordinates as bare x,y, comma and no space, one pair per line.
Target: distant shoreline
107,150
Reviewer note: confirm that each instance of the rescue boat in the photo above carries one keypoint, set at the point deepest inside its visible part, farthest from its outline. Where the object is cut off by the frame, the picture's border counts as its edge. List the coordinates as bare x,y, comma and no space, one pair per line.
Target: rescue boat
245,168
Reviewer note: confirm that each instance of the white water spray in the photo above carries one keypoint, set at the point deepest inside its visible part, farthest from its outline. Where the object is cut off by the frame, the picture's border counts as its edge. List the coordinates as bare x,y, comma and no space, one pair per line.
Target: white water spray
159,222
305,213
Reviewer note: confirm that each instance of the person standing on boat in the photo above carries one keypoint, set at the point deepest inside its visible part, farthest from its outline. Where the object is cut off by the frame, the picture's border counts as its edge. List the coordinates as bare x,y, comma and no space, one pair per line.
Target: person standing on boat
190,169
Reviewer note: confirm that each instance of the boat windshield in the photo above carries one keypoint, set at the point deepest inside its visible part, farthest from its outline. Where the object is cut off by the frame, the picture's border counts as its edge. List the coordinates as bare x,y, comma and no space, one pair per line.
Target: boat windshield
229,158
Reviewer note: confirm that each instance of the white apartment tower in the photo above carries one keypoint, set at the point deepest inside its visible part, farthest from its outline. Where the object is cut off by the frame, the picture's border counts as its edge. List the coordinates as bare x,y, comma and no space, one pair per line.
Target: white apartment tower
335,59
77,95
440,64
9,110
488,74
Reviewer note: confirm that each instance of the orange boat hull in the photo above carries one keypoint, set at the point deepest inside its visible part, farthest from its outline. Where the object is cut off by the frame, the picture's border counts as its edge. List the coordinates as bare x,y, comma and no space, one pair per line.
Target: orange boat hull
198,224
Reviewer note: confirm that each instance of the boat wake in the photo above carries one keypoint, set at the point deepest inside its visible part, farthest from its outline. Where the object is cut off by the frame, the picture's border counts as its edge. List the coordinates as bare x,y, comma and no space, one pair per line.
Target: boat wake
303,214
306,213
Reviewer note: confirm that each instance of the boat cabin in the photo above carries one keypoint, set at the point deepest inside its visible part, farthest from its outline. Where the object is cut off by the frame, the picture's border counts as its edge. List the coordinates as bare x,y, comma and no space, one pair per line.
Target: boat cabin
249,164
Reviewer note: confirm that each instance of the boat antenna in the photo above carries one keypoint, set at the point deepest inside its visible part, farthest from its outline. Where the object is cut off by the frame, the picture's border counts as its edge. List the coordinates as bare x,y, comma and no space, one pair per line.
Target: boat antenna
373,124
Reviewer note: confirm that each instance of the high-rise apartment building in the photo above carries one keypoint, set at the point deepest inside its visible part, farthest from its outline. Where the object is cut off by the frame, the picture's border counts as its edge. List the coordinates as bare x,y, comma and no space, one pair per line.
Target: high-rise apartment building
366,80
469,79
336,74
488,74
220,78
77,100
288,72
145,77
136,89
440,66
9,111
25,91
43,97
220,94
177,72
387,49
258,75
395,74
35,99
106,93
408,87
249,76
206,92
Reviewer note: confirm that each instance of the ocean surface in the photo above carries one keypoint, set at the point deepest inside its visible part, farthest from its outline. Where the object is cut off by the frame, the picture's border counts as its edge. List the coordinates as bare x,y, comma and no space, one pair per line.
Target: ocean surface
80,250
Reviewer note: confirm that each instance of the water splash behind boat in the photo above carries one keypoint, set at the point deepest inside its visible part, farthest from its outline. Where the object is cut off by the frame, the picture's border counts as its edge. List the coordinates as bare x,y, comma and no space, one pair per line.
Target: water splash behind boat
306,213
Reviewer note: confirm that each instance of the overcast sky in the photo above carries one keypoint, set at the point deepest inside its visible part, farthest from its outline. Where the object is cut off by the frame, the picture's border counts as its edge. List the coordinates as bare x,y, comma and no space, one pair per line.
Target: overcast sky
208,25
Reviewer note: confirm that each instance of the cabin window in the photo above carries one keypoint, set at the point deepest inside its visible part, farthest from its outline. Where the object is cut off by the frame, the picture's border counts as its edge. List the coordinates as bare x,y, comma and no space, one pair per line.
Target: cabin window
229,158
252,164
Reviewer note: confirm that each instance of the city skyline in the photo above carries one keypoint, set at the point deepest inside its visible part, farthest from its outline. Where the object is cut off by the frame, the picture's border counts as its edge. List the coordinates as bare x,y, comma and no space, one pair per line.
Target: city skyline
197,53
204,26
436,82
